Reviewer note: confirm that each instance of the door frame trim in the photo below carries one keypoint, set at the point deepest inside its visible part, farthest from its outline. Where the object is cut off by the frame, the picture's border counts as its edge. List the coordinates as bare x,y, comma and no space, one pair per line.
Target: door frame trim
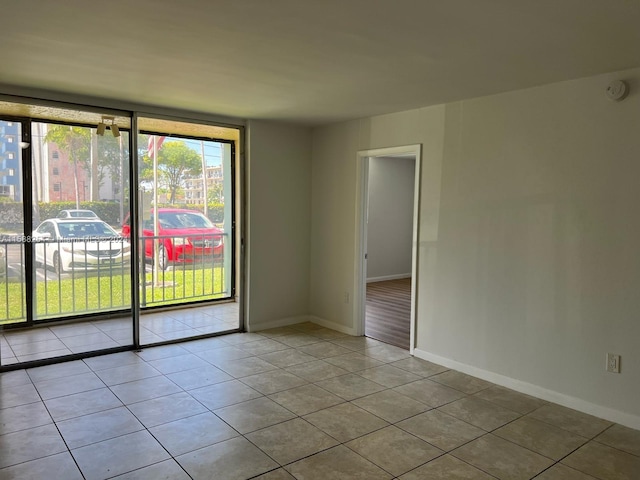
362,204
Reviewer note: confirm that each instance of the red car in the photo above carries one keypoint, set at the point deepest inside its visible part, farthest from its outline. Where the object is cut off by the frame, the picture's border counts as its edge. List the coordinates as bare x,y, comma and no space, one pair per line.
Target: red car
185,236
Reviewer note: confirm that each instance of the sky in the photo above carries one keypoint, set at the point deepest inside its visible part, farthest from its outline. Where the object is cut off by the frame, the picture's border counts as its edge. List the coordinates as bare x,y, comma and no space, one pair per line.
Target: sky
212,150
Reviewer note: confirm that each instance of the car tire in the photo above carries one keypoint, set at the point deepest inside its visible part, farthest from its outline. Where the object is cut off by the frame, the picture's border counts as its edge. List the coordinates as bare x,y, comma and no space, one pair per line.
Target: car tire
163,258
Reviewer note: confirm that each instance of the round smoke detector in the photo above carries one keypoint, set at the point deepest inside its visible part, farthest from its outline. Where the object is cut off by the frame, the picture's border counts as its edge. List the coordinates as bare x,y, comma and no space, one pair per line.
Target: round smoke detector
617,90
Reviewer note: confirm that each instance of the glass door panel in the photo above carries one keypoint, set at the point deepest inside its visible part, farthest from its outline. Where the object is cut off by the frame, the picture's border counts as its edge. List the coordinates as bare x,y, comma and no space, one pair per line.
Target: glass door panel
13,286
79,192
186,220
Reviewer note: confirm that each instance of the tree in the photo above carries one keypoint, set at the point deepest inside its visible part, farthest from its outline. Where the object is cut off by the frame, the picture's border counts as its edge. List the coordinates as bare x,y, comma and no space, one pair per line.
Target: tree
113,154
176,161
76,143
215,193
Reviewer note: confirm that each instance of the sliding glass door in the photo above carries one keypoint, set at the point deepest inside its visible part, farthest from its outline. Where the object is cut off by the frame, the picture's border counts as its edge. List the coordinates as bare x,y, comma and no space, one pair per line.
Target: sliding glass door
78,239
186,197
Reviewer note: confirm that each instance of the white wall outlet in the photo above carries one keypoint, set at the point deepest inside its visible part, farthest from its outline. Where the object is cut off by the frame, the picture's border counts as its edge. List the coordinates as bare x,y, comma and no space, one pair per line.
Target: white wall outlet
346,297
613,363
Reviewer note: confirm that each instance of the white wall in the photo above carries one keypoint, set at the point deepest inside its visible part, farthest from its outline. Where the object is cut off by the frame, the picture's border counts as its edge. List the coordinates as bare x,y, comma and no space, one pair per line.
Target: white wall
390,219
278,223
529,269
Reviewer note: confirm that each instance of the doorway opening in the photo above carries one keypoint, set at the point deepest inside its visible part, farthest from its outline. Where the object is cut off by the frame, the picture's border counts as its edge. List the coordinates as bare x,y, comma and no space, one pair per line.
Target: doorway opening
388,201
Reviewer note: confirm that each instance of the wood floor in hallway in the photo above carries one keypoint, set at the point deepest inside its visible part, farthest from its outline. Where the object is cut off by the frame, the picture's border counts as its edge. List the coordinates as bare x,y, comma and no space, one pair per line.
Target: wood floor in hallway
388,311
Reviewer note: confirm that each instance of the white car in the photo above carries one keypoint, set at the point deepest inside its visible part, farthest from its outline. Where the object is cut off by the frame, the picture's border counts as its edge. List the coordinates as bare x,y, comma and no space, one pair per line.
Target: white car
3,259
79,244
78,214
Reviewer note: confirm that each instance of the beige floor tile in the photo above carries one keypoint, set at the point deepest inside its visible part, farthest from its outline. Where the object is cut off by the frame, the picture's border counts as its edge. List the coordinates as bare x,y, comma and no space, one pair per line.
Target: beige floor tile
461,381
145,389
191,433
387,353
222,354
327,334
622,438
562,472
324,350
345,422
119,455
350,386
430,393
178,363
316,371
273,381
63,408
166,409
394,450
279,474
13,379
199,377
604,462
420,367
96,427
315,401
292,440
276,332
480,413
224,394
241,338
306,399
232,459
571,420
338,463
354,361
391,406
442,430
518,402
262,347
306,327
501,458
56,466
58,370
22,417
357,343
541,437
389,376
165,470
253,415
243,367
296,340
287,358
27,445
446,467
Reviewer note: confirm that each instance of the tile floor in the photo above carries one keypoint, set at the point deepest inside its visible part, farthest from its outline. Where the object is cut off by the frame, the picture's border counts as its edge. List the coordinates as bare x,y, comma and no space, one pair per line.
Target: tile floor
296,402
59,340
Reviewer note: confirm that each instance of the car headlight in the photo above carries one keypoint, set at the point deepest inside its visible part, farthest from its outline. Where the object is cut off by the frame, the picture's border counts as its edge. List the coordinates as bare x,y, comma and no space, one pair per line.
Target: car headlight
180,241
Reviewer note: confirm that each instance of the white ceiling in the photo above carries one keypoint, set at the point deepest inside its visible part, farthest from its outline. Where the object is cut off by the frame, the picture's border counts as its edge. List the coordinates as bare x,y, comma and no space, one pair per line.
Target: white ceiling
310,61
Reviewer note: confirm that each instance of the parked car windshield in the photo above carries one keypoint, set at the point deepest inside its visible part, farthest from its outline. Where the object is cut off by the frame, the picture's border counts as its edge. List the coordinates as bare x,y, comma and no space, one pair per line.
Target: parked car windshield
184,220
86,229
77,214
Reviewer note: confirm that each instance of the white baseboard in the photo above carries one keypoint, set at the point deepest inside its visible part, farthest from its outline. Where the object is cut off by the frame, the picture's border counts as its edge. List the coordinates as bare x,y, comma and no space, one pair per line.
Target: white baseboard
281,322
626,419
389,277
332,325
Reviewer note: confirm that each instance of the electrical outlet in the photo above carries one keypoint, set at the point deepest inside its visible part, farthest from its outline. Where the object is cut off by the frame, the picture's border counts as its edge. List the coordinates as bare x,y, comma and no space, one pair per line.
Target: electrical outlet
346,297
613,363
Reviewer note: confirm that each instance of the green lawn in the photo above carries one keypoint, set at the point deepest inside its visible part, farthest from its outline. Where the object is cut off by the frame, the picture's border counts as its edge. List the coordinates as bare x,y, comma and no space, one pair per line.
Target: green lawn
104,292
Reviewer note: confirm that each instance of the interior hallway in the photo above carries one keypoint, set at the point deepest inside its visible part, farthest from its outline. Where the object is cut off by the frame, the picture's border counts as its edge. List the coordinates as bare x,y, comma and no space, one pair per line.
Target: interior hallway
388,311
